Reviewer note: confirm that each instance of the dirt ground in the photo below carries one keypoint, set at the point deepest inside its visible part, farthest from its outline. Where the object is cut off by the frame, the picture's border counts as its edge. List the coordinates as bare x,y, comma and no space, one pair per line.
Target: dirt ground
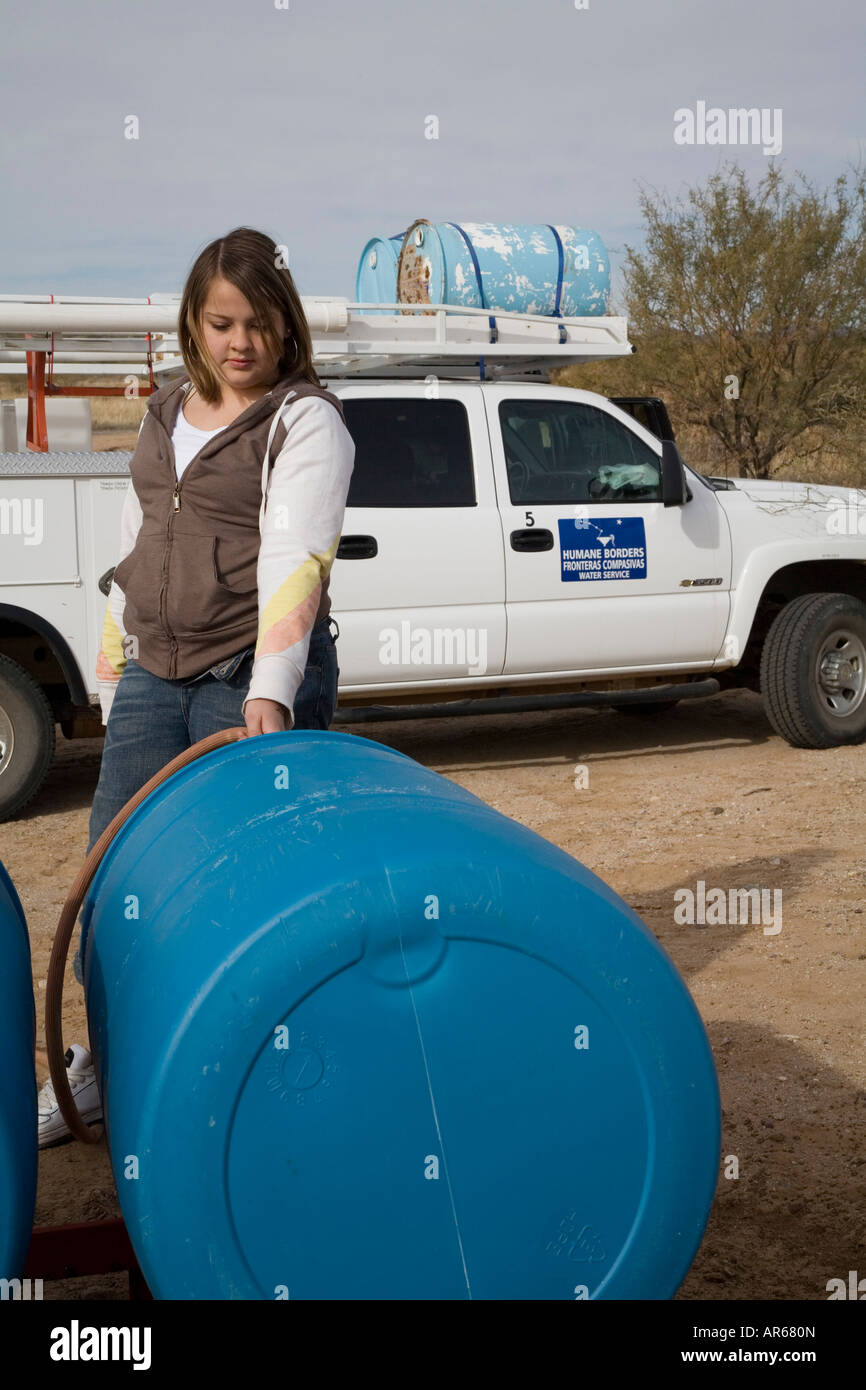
784,1013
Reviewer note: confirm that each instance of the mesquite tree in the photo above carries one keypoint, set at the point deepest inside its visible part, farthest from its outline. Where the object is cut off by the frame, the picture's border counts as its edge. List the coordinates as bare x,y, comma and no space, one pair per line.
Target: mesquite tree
747,305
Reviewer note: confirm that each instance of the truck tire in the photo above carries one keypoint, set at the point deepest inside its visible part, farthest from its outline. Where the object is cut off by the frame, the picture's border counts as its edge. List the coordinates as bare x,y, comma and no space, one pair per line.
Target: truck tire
813,671
650,707
27,737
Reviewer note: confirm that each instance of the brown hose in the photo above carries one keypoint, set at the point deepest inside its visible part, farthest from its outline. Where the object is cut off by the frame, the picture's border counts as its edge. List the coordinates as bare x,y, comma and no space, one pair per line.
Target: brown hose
91,1134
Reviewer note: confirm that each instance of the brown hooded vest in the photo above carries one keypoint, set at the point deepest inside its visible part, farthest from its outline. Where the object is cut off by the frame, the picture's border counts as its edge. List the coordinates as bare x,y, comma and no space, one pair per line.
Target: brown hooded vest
190,580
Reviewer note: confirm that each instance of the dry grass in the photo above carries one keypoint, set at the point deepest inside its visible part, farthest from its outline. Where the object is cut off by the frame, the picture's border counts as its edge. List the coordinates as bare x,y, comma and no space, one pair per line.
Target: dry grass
821,456
106,412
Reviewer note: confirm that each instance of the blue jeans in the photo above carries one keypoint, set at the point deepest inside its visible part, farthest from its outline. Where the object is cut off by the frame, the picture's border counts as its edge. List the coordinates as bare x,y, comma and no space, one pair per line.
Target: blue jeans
152,720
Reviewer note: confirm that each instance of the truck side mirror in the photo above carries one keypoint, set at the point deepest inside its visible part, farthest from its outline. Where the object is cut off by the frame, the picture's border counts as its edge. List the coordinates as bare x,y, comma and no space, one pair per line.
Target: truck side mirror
673,476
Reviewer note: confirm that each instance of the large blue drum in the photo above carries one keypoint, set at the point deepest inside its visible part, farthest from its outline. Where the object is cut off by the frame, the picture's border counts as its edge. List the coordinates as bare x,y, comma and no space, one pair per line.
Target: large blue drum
18,1126
528,269
360,1036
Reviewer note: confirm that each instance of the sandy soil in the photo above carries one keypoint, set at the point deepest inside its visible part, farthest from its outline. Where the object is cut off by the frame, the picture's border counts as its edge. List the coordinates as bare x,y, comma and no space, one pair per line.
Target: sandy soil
705,791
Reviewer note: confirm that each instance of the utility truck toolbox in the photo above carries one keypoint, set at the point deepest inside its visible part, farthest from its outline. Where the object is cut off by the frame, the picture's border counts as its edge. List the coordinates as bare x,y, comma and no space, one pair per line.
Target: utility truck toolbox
504,537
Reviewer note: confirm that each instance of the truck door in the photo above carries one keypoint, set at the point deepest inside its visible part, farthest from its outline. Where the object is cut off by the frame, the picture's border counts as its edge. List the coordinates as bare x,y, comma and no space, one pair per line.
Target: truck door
418,585
600,577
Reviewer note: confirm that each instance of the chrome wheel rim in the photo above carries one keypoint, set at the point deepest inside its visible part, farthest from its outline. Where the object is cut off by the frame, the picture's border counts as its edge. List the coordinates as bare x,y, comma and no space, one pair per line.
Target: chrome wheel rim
841,672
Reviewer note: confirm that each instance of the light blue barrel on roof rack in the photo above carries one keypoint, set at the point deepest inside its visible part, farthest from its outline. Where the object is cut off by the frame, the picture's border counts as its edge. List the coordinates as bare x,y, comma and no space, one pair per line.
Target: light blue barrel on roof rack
360,1036
376,278
528,268
18,1124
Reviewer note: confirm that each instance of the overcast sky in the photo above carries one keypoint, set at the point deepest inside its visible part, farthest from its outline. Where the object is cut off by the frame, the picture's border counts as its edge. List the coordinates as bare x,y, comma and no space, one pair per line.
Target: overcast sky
309,122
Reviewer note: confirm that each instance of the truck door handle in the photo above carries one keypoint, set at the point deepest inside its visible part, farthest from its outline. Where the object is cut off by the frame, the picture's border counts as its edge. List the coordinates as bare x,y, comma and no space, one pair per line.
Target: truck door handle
357,548
532,538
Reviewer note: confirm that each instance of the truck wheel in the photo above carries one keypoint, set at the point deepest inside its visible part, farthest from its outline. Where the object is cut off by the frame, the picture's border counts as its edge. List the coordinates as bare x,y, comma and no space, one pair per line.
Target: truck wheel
813,671
651,707
26,737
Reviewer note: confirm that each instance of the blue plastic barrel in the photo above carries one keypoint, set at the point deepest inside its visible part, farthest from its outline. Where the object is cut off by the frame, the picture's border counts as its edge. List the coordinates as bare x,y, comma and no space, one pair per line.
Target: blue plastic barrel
530,269
18,1125
376,278
360,1036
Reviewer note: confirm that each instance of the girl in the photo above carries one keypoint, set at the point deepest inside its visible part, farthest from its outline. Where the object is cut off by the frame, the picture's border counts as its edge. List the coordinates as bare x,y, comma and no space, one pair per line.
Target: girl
218,613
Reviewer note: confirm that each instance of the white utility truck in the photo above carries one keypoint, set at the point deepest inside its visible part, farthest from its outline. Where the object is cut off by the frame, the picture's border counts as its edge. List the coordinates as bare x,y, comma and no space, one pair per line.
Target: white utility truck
503,538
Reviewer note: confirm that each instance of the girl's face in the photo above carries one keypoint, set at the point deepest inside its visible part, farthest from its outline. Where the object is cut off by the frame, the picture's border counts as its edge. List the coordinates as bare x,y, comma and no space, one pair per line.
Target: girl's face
234,338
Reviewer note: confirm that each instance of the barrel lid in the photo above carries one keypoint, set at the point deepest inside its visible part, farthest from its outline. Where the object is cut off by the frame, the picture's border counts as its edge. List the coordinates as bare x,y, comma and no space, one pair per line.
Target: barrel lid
467,1121
376,277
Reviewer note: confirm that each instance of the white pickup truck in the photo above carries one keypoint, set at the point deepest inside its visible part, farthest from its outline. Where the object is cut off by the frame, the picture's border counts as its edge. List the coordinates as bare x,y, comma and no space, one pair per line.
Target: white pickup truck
503,538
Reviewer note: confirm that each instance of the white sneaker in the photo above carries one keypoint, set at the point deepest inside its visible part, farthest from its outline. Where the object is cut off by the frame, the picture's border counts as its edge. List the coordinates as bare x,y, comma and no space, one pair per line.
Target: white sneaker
82,1083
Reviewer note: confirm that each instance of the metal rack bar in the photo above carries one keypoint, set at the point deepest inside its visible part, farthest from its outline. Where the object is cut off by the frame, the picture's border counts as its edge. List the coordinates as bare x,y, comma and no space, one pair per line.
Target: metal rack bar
350,339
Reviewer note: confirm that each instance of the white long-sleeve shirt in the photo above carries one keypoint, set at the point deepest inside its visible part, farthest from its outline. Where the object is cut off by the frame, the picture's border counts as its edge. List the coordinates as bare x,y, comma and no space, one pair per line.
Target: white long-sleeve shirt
300,531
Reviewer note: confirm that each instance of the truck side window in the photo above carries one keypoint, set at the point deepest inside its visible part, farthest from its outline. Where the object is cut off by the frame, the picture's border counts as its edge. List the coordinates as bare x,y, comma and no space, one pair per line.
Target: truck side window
556,451
638,411
410,453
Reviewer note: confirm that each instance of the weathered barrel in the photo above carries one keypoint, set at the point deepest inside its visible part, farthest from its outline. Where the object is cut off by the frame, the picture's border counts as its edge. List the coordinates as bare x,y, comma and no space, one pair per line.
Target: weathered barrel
361,1036
18,1124
376,278
528,268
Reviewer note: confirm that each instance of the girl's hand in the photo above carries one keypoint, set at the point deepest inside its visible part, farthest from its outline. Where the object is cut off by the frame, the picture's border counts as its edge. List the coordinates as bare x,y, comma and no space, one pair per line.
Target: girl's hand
265,717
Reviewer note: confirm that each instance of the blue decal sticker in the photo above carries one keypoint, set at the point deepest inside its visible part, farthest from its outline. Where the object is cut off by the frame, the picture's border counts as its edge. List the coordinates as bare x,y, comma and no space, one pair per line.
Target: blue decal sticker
603,547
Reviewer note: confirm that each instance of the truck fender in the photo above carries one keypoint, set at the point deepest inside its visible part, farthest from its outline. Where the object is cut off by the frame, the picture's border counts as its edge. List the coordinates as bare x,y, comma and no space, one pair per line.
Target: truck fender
78,693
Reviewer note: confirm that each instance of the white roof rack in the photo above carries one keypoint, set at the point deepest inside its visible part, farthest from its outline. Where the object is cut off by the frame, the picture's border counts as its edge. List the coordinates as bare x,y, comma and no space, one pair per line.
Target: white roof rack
349,338
454,339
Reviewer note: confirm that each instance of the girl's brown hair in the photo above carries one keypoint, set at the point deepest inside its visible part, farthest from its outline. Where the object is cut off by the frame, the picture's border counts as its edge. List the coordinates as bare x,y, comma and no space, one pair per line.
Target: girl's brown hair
252,262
